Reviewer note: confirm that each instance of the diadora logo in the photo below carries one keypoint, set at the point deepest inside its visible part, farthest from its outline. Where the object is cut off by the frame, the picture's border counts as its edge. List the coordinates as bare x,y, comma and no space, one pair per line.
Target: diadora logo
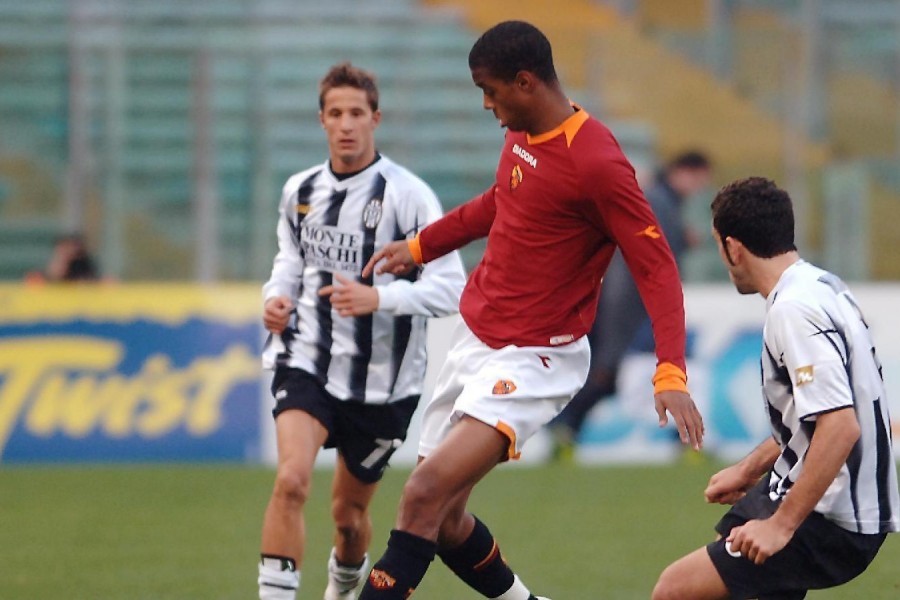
503,387
651,232
545,360
515,177
804,375
524,155
381,580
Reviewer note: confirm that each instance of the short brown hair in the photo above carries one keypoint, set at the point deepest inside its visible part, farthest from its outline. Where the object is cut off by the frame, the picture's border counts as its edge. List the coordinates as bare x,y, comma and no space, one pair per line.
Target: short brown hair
346,75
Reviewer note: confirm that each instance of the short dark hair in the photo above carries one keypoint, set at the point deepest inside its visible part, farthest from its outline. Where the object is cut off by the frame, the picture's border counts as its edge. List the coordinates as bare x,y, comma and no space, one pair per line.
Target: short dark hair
757,213
513,46
691,159
346,75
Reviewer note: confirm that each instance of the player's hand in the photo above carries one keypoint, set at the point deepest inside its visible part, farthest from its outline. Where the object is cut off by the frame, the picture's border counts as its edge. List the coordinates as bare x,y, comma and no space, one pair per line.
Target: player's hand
277,313
351,298
757,540
397,260
727,486
687,418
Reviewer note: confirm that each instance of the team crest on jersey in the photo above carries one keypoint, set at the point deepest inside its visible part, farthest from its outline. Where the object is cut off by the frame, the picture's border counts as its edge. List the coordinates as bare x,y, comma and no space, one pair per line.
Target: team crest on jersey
372,213
381,580
804,375
503,387
515,177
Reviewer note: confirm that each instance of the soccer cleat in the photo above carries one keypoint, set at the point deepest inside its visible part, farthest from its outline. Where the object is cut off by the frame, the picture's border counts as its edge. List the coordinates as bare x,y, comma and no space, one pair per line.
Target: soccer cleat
342,580
562,445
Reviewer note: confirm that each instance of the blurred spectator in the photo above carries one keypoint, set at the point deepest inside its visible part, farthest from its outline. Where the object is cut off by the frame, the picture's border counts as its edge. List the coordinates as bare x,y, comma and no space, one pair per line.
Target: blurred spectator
69,261
622,320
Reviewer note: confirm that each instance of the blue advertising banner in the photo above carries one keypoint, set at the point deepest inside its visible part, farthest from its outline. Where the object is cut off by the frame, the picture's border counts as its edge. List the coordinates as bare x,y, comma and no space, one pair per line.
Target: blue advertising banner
129,373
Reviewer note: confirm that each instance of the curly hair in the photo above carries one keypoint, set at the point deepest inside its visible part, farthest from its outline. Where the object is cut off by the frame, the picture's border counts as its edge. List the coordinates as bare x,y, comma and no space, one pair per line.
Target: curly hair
757,213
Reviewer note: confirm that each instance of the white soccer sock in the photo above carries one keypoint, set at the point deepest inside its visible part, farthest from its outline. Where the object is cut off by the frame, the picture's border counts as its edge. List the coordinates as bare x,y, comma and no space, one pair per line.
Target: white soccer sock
277,581
343,579
517,591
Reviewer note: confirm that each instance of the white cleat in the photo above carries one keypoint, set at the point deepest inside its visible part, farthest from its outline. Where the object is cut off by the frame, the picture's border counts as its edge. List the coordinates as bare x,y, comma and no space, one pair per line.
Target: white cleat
343,581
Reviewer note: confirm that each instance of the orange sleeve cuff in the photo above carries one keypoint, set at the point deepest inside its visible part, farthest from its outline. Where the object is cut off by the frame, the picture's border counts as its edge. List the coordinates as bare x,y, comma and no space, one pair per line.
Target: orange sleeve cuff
415,249
669,378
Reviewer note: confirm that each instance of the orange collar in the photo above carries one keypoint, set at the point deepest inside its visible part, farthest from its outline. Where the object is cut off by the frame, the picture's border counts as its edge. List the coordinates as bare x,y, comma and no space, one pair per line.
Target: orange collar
570,127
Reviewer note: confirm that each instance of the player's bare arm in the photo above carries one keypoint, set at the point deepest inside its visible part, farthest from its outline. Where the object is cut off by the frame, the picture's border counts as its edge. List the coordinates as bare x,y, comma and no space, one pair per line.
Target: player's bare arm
351,298
728,485
683,410
397,260
731,483
277,313
835,435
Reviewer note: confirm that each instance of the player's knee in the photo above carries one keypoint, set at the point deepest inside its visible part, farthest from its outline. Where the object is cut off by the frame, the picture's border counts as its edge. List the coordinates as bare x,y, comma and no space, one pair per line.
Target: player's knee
421,499
292,488
350,518
420,489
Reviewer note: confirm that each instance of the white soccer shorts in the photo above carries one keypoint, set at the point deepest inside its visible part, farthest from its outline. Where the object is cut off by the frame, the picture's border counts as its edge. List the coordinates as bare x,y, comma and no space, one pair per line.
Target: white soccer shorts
515,389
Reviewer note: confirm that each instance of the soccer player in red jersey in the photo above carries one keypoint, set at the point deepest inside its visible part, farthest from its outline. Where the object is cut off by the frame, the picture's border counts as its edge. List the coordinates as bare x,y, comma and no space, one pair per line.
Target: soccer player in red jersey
565,197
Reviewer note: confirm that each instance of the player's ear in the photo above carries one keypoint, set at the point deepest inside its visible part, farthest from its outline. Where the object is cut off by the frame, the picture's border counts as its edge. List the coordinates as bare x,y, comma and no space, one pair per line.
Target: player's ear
322,119
525,81
376,117
734,250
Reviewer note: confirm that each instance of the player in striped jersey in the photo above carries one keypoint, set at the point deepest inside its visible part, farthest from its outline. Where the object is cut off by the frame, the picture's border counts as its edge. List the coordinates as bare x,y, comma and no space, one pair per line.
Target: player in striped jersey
812,504
348,351
565,197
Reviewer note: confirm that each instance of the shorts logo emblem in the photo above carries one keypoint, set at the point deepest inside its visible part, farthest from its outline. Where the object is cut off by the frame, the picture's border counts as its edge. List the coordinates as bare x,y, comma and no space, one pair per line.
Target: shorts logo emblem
504,386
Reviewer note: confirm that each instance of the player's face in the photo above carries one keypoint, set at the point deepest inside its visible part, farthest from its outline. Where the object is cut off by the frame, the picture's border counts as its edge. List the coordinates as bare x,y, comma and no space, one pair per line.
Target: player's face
737,270
350,124
503,98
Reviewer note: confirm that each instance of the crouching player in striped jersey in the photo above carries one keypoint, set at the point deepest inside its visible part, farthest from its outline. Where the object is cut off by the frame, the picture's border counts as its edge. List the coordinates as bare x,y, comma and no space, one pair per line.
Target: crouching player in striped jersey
348,350
813,503
565,197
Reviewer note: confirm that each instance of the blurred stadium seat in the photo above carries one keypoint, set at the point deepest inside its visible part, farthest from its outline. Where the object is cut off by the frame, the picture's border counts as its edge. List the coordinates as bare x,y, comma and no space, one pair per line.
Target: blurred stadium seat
141,66
116,117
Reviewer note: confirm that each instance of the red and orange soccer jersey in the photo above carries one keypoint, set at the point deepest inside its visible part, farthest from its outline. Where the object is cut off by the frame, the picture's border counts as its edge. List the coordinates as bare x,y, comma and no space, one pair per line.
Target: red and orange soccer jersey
561,204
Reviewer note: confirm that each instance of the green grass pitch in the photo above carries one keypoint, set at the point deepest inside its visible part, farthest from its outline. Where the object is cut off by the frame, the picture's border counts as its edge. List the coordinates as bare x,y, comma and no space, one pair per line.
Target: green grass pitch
192,532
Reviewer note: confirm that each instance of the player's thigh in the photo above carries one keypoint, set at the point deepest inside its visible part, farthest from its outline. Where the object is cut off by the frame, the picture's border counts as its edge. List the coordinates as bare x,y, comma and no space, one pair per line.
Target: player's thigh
692,577
468,453
299,436
350,496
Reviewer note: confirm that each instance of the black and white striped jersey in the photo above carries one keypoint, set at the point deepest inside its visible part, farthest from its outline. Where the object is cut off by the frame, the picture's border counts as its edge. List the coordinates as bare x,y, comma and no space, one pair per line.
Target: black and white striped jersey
818,356
329,225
